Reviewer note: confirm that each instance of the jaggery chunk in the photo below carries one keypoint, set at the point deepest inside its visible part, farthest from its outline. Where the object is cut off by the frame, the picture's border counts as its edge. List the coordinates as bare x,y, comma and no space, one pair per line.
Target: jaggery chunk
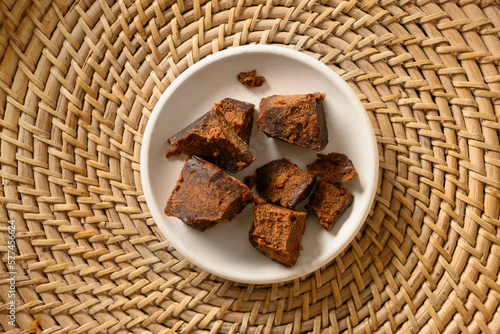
205,195
284,183
250,180
296,119
276,232
212,138
249,79
328,202
172,153
239,115
333,167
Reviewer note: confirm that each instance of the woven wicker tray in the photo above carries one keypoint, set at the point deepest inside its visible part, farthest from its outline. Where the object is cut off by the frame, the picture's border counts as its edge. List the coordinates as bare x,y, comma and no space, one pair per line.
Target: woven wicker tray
78,82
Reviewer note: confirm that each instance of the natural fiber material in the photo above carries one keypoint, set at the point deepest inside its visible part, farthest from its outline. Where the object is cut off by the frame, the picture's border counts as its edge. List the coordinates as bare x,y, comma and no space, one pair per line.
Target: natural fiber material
78,82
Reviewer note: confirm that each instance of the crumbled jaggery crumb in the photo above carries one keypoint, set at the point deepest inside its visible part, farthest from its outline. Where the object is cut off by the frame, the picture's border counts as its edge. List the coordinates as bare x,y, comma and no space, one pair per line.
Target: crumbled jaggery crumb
249,79
172,153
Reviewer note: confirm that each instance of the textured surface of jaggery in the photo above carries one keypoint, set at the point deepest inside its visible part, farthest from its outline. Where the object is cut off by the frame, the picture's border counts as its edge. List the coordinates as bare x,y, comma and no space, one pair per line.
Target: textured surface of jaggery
284,183
328,202
276,232
213,139
250,79
296,119
250,180
333,167
205,195
239,115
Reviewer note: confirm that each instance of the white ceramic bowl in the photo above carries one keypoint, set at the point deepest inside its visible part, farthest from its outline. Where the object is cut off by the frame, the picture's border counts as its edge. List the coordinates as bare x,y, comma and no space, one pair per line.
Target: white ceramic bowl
225,250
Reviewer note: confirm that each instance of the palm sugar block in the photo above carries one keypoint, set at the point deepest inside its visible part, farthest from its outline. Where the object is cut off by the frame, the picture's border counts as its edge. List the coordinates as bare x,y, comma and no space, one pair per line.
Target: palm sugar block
212,138
328,202
239,115
276,232
296,119
284,183
333,167
205,195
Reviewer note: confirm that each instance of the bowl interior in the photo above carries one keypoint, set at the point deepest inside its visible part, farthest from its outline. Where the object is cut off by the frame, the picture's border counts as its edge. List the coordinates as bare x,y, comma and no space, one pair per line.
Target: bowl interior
225,250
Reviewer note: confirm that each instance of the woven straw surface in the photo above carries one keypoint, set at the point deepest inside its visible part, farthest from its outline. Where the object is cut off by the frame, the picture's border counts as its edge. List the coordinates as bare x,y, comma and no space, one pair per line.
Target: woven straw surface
78,82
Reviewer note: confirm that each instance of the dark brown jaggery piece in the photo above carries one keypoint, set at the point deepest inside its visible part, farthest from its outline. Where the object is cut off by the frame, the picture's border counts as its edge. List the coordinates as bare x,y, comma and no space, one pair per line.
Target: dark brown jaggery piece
172,153
296,119
250,79
212,138
250,180
333,167
239,115
276,232
205,195
328,202
284,183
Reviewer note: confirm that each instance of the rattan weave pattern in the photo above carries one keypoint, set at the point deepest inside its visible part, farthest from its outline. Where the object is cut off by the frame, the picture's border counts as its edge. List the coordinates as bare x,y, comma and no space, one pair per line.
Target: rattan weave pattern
78,82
